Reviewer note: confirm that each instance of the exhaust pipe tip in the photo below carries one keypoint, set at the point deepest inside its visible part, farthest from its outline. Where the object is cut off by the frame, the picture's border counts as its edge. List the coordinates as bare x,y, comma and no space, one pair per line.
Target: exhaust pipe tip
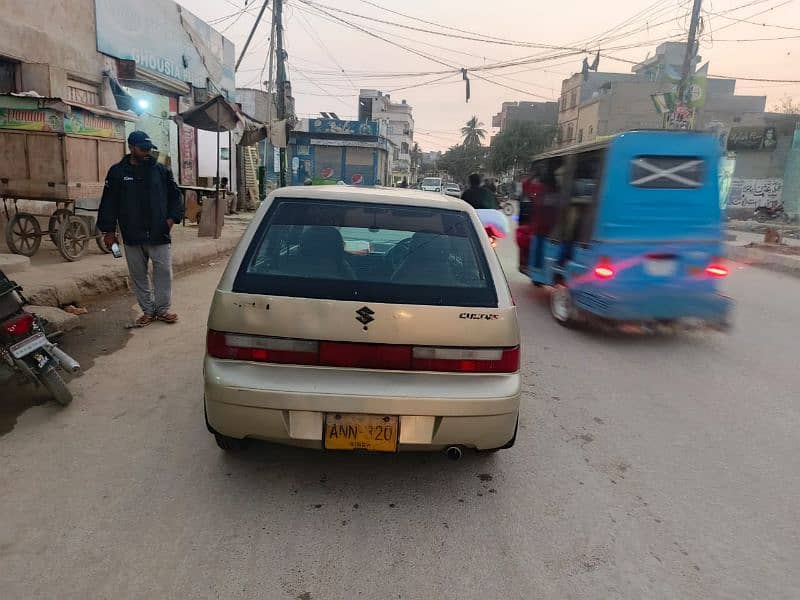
453,453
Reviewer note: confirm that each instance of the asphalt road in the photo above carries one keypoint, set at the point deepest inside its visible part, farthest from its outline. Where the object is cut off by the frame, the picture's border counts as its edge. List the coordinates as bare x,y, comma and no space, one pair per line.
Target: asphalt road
659,467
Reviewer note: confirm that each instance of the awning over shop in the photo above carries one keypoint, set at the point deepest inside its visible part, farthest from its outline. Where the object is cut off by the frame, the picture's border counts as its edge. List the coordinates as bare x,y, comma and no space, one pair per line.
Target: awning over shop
102,111
219,114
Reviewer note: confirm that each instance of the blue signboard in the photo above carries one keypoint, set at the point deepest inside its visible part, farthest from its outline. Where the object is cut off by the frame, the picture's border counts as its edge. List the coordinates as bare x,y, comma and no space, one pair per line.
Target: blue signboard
164,37
365,128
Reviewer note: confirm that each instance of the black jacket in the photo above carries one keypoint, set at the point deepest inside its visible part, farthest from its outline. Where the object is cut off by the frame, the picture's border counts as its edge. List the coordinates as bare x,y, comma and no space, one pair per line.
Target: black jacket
479,197
140,198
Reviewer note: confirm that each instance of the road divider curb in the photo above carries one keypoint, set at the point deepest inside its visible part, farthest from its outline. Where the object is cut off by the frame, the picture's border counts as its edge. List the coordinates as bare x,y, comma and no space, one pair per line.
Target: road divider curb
757,257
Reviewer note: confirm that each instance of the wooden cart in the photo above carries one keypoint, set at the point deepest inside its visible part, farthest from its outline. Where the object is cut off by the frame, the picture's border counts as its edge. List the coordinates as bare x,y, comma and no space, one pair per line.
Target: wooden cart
60,156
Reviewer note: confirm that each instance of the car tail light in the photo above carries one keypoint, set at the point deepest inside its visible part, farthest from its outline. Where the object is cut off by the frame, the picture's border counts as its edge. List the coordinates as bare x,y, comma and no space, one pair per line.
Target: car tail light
262,349
232,346
20,326
466,360
365,356
604,269
716,269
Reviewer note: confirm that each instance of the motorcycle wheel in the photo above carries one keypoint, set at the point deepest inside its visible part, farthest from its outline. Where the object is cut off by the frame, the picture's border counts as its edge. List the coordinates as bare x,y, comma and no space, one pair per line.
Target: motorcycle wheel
56,386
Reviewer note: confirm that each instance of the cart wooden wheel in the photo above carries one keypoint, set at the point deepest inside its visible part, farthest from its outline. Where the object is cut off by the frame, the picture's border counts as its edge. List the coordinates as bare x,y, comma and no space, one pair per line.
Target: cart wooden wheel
73,238
23,234
56,221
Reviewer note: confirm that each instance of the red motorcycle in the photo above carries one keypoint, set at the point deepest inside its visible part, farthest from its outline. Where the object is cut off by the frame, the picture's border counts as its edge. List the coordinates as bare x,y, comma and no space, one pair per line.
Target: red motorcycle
25,349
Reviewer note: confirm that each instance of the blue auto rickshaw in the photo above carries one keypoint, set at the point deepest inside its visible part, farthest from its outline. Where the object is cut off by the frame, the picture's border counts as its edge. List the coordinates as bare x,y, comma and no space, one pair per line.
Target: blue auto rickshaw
629,230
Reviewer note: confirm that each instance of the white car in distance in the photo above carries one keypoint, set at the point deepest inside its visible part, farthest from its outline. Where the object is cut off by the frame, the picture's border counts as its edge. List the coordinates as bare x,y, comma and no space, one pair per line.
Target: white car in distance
432,184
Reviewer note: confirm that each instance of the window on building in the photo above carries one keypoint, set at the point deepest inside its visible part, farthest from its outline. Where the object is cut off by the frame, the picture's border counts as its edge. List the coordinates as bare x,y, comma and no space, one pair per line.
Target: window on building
8,76
573,99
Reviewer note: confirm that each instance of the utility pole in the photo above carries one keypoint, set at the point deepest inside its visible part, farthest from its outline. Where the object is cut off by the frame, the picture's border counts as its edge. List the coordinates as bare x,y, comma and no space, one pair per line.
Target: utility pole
277,17
691,52
252,31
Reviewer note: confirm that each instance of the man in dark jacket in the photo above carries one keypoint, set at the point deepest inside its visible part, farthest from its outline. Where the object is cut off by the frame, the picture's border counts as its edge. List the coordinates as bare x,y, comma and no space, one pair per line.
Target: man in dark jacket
478,196
141,197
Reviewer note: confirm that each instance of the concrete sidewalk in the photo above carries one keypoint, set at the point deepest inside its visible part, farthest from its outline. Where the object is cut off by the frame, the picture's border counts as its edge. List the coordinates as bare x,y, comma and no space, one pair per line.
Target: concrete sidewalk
748,248
50,281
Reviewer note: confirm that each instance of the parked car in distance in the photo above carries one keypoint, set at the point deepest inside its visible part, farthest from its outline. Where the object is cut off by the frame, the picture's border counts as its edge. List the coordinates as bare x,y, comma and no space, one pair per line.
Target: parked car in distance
453,189
432,184
363,319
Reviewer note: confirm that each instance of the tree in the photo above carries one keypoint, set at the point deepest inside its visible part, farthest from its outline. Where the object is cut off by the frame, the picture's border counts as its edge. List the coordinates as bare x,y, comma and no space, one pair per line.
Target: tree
514,147
461,161
787,105
473,132
416,160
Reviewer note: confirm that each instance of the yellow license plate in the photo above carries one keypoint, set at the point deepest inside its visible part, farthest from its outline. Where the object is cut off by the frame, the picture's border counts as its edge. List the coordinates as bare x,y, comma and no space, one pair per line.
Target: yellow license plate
361,432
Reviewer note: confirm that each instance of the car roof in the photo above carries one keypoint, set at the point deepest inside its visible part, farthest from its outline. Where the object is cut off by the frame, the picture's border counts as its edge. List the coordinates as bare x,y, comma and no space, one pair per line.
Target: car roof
376,195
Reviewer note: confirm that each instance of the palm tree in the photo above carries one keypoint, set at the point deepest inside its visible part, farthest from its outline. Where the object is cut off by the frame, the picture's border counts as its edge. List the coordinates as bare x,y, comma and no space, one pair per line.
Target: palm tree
473,132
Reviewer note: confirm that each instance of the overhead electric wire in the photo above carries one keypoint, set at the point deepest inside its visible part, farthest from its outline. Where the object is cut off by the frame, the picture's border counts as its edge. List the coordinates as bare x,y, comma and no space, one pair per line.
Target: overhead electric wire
323,46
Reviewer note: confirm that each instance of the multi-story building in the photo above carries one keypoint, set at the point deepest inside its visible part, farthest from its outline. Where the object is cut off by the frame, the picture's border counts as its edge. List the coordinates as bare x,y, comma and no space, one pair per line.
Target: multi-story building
545,113
600,104
399,119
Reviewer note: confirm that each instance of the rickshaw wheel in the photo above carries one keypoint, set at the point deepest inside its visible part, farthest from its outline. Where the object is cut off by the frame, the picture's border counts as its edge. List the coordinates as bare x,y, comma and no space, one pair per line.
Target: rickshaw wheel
56,221
561,306
23,234
73,238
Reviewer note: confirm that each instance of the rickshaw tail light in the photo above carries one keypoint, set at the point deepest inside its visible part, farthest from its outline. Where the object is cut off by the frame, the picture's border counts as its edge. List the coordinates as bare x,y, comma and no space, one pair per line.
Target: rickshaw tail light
717,270
604,271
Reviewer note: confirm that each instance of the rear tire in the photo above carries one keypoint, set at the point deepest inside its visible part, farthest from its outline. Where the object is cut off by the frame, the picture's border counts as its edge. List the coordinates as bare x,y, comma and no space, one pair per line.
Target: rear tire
230,444
561,306
55,385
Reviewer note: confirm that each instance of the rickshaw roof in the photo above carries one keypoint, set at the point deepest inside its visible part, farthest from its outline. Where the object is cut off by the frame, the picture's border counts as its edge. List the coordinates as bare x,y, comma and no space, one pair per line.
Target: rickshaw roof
606,141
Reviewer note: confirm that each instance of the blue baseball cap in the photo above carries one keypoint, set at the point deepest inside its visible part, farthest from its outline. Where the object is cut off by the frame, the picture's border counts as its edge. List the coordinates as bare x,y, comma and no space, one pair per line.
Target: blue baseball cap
141,140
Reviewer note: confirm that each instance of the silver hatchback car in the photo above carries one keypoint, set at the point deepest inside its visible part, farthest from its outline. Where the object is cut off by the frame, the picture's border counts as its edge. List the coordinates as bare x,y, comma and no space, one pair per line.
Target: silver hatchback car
363,319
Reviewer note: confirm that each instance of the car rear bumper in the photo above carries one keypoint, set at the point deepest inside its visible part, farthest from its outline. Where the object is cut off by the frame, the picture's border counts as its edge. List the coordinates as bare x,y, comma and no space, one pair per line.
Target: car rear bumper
655,305
287,404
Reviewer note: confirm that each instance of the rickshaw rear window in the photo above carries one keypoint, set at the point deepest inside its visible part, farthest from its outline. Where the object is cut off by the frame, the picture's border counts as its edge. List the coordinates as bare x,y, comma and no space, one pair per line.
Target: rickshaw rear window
668,172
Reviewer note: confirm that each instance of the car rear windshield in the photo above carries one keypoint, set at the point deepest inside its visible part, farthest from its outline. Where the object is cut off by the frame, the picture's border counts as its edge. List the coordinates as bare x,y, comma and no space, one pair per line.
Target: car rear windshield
367,252
668,172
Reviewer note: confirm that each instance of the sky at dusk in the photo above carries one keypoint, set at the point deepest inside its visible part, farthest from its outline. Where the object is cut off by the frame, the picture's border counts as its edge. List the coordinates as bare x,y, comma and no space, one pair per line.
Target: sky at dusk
330,61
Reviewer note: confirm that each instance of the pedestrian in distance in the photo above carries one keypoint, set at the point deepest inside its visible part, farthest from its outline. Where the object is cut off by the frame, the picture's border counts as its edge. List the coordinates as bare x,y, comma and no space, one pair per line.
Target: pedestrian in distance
478,196
142,199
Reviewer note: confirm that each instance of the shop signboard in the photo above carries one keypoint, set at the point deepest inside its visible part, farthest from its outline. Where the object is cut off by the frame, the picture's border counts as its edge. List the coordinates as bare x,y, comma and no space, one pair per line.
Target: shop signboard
32,119
752,138
81,122
164,37
363,128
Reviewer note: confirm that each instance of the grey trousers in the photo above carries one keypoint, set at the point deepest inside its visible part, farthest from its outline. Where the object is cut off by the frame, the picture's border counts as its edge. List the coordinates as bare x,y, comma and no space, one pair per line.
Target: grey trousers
156,300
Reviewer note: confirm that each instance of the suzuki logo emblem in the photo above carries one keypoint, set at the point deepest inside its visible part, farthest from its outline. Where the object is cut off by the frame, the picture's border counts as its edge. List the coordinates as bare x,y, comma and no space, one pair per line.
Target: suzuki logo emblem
365,316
